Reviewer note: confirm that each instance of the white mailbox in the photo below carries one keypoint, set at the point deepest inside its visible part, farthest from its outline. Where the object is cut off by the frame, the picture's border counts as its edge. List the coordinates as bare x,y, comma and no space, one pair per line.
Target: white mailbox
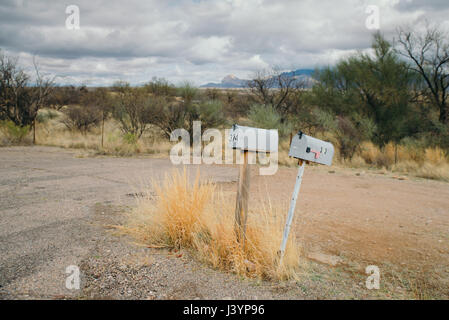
253,139
311,149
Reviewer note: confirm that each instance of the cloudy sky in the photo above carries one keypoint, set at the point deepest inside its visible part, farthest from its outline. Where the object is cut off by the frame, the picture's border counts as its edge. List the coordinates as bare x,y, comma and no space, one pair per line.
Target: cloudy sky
196,40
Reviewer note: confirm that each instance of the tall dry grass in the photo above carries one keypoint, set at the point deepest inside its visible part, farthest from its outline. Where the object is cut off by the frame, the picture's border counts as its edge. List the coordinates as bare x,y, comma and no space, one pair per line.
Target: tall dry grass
55,133
429,163
199,217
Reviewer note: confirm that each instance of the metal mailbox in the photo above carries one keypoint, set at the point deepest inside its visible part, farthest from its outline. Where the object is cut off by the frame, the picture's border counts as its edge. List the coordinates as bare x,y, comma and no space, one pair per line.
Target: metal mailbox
254,139
311,149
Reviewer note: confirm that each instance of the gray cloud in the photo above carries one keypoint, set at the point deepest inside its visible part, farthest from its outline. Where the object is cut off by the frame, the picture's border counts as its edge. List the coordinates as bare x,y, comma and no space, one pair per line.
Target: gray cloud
198,40
431,5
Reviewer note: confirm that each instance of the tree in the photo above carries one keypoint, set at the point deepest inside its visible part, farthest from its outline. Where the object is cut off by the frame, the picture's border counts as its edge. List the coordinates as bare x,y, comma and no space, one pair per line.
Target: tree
278,89
104,104
93,108
187,91
213,93
177,114
65,96
267,117
428,53
81,117
134,108
210,113
160,87
170,116
20,100
374,86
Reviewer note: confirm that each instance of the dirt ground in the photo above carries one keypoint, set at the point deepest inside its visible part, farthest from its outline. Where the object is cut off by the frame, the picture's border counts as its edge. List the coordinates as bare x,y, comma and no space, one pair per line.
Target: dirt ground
354,219
56,206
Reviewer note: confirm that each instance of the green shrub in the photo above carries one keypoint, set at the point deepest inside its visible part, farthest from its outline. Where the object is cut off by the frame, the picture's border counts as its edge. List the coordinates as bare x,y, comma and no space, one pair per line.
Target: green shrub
187,91
44,116
14,134
130,138
211,115
266,117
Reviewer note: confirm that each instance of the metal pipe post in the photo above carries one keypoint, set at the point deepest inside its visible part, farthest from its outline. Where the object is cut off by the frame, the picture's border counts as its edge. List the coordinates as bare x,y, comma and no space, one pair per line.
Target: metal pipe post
291,211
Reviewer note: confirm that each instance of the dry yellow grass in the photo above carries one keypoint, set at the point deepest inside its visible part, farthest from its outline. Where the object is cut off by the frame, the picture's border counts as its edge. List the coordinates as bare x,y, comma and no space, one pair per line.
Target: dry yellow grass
198,217
54,133
435,156
431,163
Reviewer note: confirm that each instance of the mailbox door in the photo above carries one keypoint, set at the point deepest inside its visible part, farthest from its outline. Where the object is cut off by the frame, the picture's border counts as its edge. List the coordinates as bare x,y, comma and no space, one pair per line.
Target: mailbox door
311,149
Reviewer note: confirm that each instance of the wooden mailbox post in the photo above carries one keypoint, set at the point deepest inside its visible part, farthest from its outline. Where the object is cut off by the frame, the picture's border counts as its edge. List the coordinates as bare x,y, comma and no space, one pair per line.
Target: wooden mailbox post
248,139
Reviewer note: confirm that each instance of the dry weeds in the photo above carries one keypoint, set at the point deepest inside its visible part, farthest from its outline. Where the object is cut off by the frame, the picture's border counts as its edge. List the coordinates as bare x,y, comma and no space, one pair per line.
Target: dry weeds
199,217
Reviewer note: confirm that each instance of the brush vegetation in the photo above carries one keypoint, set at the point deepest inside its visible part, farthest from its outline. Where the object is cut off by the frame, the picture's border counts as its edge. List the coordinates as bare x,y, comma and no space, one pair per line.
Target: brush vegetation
378,108
197,216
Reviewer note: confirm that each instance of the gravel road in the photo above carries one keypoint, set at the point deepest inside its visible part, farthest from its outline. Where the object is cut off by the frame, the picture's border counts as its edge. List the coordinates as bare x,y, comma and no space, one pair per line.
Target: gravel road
57,206
54,209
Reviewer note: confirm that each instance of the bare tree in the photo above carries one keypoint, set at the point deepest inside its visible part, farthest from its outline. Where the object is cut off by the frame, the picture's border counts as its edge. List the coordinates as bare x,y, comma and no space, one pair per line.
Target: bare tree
82,116
429,56
171,116
41,92
20,100
65,96
134,108
278,89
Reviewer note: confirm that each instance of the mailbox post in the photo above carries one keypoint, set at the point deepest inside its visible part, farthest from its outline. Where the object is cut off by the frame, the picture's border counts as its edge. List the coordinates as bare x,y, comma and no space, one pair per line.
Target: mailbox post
305,149
248,139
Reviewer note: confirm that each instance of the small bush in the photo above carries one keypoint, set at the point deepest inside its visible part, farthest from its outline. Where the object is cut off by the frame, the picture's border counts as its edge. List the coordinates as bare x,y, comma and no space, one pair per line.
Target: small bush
130,138
45,116
211,115
13,134
135,109
187,91
81,118
266,117
160,87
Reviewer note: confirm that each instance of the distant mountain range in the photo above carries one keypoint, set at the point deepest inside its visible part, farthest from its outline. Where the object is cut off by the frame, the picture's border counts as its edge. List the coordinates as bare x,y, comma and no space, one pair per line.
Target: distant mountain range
231,81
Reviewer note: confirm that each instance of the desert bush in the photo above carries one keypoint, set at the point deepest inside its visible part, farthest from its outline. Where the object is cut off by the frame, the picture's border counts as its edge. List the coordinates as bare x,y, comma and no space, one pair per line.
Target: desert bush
236,103
13,134
160,87
20,99
181,115
187,91
196,216
266,117
274,87
65,96
80,117
46,115
169,117
349,137
134,109
211,114
130,138
213,94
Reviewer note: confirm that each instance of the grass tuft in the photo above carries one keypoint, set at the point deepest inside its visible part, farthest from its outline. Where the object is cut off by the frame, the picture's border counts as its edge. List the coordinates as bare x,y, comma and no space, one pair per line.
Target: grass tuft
198,217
